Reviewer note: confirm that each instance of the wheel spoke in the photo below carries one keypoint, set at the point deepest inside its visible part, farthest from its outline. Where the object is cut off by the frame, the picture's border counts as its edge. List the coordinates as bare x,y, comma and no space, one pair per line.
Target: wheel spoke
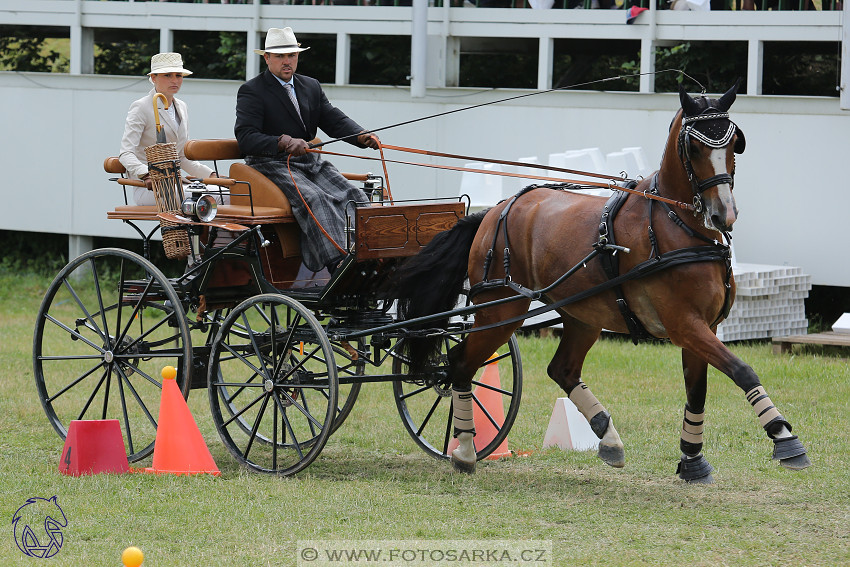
74,383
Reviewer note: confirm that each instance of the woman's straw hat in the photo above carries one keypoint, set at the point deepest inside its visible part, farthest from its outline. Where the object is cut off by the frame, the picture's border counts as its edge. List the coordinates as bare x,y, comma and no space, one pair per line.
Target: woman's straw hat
168,63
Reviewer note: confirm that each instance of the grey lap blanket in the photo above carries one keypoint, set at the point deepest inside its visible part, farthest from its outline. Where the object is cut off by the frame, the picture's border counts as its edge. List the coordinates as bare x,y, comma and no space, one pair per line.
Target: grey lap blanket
327,193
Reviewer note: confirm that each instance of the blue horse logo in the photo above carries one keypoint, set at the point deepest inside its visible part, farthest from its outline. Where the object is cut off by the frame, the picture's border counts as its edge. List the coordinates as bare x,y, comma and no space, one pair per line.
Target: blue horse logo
27,521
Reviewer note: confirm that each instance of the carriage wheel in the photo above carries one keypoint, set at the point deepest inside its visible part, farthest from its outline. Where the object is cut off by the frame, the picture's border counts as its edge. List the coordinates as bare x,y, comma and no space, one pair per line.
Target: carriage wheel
425,403
272,392
108,324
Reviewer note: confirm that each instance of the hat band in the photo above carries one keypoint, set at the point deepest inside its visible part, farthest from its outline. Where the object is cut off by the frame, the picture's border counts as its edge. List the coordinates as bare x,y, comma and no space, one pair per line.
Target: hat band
282,46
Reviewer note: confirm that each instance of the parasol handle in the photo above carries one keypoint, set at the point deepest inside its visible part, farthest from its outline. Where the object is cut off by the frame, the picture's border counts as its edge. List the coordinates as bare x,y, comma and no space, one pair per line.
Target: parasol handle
156,110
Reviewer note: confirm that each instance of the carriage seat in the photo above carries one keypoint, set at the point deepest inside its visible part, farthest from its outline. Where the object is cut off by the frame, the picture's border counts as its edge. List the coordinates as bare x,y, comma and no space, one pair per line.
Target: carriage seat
264,193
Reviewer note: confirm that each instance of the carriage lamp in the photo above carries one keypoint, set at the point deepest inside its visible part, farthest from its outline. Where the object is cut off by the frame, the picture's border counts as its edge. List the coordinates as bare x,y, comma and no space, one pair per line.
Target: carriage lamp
198,205
372,186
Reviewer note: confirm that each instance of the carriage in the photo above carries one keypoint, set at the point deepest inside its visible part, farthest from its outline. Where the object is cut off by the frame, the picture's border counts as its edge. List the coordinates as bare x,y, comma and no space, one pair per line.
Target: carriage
283,354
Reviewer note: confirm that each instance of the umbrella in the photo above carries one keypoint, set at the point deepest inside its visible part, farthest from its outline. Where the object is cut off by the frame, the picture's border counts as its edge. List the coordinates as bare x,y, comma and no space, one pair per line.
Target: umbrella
160,133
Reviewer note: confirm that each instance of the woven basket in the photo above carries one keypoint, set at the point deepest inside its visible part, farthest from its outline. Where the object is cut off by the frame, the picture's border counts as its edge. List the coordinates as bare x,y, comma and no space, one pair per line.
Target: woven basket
164,168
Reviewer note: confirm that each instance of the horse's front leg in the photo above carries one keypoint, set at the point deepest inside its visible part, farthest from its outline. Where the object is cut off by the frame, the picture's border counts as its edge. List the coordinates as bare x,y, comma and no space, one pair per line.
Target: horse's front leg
787,448
693,467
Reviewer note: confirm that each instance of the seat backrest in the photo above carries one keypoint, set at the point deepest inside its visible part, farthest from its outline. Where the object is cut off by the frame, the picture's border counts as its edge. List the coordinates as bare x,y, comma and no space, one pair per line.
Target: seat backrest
211,150
263,191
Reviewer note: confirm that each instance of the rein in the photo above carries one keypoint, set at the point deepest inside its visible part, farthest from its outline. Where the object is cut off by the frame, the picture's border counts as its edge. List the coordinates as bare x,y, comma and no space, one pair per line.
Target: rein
576,184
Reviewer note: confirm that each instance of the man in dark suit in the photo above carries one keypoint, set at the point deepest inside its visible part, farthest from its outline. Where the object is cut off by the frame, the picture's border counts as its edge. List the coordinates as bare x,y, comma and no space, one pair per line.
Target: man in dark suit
277,113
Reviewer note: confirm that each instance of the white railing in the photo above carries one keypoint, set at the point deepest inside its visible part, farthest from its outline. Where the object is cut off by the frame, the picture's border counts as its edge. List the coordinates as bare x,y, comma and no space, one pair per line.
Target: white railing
446,26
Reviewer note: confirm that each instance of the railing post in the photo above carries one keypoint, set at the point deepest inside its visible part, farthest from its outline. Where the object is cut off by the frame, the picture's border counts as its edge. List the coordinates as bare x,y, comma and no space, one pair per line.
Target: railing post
419,49
545,51
755,66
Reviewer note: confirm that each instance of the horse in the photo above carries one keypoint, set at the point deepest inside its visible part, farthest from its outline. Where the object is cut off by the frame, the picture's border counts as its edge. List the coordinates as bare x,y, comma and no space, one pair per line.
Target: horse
665,276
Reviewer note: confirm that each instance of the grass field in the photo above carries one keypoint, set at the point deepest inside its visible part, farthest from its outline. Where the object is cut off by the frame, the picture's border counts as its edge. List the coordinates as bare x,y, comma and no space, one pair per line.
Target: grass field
373,483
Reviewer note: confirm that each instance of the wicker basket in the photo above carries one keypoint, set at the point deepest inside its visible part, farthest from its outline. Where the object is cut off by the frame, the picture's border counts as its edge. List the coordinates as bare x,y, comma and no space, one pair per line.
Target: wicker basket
164,168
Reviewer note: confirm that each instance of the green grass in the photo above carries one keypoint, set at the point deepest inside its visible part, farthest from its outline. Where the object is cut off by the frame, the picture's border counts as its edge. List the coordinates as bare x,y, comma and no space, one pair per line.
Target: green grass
372,482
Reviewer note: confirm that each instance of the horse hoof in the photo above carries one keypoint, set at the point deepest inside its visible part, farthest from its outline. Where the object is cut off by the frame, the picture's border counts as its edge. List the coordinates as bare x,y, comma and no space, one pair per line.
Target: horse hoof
797,463
614,456
695,470
707,479
790,453
463,466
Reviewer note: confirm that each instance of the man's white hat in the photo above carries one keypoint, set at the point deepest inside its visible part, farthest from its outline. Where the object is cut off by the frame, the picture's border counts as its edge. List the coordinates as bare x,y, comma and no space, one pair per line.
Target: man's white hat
168,63
281,41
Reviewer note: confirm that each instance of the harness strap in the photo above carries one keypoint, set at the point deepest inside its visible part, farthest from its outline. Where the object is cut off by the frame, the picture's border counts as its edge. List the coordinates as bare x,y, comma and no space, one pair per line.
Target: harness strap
667,260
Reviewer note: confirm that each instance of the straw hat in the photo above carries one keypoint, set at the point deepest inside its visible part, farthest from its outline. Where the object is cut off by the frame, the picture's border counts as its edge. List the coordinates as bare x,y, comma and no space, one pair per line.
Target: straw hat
168,63
281,41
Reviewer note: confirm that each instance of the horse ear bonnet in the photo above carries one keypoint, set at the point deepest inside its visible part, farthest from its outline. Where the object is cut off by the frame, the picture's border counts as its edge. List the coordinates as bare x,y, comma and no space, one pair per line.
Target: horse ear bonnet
713,132
741,142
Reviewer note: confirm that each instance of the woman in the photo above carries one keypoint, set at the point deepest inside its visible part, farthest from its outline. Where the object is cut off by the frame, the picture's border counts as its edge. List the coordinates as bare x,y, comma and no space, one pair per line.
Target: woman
166,75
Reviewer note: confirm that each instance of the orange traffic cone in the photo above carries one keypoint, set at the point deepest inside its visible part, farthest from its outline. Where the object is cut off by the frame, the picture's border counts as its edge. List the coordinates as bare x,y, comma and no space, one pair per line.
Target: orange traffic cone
485,431
179,447
94,446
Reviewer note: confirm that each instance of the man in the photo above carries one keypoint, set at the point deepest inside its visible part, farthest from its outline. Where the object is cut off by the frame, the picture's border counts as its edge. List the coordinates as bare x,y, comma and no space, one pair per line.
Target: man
273,135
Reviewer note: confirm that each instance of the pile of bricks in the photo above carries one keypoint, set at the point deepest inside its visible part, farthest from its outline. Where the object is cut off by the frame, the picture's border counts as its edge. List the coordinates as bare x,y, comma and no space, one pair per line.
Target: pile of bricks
769,303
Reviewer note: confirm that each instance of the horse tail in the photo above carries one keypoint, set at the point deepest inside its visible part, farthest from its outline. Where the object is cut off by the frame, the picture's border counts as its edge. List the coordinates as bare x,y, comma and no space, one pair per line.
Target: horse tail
432,282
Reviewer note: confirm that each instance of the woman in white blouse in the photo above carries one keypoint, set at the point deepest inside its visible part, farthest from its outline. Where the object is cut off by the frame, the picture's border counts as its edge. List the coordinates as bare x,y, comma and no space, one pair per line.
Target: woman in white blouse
166,74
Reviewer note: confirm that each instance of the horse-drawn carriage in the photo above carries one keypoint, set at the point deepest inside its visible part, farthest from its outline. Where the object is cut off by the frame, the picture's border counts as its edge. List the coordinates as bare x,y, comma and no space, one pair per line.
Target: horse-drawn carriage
282,351
283,356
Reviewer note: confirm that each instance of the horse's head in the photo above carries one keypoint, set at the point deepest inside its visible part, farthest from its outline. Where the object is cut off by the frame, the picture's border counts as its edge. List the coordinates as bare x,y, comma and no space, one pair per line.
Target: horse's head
707,143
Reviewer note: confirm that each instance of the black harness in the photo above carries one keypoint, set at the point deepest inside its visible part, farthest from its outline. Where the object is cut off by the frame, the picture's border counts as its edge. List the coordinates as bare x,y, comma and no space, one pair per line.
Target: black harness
713,251
713,128
605,246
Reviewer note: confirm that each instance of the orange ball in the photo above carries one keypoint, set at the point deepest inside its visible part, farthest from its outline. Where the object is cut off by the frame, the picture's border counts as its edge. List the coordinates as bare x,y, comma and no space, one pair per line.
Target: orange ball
169,373
133,556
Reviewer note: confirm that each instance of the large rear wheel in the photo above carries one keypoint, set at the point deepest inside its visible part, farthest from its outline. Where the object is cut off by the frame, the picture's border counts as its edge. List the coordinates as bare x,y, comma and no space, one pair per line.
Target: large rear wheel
108,324
273,385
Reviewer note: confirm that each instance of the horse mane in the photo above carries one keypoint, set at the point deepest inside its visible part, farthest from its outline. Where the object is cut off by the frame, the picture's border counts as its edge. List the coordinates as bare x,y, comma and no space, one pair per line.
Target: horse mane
431,282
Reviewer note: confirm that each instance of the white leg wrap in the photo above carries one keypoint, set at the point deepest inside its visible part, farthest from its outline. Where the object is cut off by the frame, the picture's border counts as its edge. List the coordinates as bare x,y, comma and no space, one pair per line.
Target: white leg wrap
585,401
692,427
464,457
764,408
462,407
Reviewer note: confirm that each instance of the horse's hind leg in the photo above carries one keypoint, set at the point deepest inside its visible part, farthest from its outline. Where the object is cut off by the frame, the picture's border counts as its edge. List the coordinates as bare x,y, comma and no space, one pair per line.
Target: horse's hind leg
464,361
693,467
565,370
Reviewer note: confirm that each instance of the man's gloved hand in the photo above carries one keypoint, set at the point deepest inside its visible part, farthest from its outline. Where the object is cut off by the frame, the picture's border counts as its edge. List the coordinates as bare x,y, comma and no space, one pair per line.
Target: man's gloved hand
290,145
148,181
369,140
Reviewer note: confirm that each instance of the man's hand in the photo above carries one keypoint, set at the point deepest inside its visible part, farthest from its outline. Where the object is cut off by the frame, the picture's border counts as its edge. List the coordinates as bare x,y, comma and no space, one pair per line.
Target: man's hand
369,140
148,181
295,146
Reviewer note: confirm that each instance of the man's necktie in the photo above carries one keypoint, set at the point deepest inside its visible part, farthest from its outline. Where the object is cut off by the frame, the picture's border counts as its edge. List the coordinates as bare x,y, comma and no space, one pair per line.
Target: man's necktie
294,100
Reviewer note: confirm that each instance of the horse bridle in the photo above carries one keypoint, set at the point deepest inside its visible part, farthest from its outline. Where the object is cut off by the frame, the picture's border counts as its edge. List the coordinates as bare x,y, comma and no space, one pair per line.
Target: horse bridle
721,140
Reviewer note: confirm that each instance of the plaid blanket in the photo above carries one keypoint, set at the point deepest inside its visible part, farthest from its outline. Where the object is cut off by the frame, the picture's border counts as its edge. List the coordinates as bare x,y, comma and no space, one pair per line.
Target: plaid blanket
327,193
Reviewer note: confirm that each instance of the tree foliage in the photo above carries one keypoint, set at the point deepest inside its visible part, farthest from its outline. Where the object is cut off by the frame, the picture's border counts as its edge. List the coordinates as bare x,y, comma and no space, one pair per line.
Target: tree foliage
27,49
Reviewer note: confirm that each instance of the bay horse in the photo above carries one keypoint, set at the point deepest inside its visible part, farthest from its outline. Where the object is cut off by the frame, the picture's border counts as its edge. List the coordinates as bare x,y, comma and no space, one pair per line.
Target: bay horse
672,273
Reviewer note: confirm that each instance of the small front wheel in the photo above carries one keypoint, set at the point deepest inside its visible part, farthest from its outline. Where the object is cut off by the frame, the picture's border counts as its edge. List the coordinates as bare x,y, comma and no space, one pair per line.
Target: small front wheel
273,385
